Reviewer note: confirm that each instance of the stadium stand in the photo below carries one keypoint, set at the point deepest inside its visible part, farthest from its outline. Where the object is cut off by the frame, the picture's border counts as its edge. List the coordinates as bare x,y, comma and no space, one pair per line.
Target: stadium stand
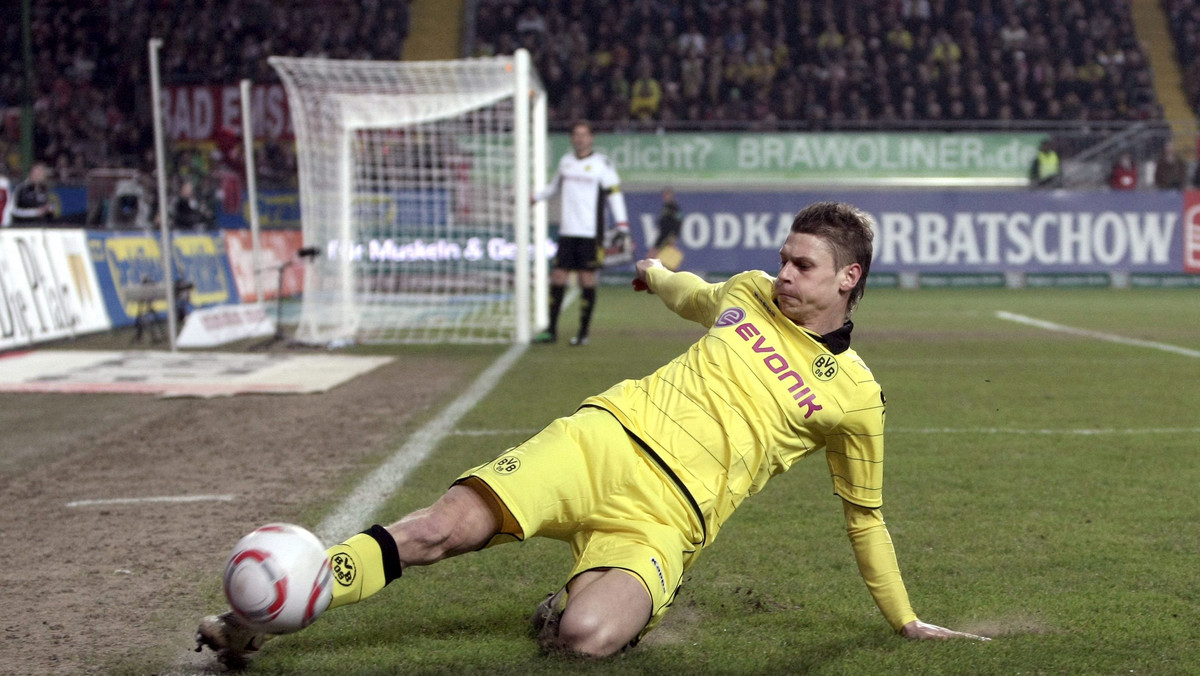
90,87
1183,18
824,65
807,65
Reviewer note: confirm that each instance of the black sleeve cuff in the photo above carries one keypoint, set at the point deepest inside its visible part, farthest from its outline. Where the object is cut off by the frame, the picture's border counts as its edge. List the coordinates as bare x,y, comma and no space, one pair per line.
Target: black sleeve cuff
387,546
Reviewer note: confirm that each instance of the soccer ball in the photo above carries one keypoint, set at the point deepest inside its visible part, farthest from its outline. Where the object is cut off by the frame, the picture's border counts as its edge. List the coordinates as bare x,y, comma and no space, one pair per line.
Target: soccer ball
277,579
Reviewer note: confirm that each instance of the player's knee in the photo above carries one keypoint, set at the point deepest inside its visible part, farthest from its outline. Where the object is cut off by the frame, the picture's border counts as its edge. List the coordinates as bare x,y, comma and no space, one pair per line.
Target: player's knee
593,635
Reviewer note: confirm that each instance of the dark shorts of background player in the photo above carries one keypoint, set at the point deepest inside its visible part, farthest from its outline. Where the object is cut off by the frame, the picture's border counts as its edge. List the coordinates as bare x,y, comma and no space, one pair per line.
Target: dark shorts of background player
577,253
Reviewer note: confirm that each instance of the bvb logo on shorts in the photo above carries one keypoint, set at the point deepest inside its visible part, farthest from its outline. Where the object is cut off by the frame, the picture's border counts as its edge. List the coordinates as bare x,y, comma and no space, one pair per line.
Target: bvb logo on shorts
506,465
824,367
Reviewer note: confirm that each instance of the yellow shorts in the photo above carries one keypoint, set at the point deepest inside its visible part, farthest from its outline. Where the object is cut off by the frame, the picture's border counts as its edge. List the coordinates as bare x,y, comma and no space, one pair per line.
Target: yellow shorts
583,480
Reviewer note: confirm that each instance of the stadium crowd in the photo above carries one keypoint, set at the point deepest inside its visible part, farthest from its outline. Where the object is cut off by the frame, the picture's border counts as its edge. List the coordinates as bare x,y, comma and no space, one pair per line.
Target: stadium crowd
91,86
624,64
819,64
1183,17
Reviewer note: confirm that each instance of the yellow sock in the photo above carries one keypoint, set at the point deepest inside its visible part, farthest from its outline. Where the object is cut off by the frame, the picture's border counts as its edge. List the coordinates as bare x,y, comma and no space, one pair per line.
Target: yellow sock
363,565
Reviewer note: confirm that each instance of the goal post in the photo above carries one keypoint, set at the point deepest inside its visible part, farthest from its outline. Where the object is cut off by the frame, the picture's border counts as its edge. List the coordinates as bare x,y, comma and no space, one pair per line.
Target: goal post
415,181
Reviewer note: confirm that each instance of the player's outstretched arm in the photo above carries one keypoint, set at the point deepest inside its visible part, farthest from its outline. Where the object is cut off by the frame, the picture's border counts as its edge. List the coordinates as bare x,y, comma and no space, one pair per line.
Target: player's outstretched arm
639,282
918,630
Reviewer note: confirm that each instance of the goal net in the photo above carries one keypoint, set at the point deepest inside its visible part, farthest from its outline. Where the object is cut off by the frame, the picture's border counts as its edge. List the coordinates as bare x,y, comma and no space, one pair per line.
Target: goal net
415,180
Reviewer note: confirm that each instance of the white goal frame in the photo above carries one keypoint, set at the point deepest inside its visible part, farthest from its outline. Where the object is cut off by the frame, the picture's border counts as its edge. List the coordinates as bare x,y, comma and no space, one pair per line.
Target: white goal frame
334,105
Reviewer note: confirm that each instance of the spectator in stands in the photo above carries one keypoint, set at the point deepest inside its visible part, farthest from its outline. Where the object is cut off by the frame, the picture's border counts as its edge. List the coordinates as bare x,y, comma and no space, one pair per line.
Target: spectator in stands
554,79
531,21
957,111
691,78
831,41
760,66
32,198
737,74
277,170
789,105
986,21
1072,107
1090,70
672,107
714,82
899,38
734,37
781,53
944,50
189,212
645,95
1045,172
576,104
933,108
918,9
735,105
691,42
1013,34
618,85
1169,168
1124,174
1067,79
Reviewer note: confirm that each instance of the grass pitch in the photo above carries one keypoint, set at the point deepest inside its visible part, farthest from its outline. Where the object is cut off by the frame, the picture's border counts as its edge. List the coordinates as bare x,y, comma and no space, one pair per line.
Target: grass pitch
1040,488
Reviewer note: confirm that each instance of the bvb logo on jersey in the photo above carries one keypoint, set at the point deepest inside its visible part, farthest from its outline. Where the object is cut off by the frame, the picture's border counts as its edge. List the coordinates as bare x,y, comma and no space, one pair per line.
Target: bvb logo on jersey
824,367
506,465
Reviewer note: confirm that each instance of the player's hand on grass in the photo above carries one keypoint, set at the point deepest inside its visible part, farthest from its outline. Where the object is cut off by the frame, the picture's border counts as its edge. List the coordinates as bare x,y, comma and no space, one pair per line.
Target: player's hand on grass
639,282
918,630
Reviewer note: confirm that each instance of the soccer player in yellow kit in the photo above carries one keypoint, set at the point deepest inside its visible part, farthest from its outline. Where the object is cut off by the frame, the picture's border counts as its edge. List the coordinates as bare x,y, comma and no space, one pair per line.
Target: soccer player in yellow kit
643,476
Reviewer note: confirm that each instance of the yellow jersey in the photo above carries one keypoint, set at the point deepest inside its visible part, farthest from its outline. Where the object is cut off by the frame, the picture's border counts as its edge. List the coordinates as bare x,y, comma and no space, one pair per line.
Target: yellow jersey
755,394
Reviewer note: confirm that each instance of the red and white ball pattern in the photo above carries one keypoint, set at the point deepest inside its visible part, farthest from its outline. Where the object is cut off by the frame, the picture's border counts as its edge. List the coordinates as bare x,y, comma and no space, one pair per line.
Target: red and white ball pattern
278,579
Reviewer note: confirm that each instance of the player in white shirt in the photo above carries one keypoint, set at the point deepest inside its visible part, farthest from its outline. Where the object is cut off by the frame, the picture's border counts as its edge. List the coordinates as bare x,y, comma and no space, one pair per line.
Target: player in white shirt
587,181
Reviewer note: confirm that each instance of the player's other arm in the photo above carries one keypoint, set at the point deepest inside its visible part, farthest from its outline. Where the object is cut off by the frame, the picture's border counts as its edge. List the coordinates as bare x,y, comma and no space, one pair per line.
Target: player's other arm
616,199
611,184
877,564
616,202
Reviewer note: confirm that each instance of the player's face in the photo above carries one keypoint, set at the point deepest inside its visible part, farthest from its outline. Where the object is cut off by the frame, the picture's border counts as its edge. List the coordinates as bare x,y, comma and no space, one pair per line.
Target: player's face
581,141
810,290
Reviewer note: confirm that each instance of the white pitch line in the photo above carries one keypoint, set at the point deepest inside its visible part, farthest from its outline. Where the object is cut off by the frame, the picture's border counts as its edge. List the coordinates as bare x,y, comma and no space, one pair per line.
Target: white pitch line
357,510
493,433
161,498
1112,338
